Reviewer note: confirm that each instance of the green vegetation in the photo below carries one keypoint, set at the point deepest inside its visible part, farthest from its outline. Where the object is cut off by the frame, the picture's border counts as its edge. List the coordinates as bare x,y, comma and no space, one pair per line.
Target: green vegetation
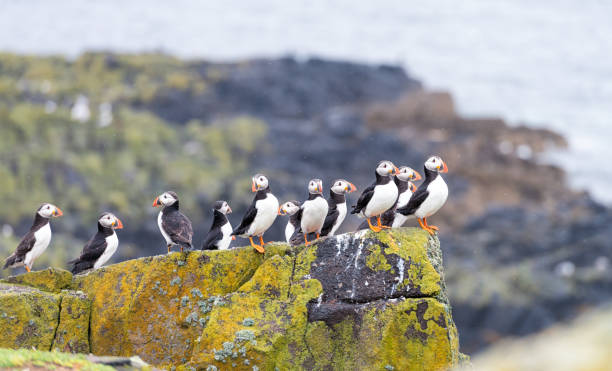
88,166
23,359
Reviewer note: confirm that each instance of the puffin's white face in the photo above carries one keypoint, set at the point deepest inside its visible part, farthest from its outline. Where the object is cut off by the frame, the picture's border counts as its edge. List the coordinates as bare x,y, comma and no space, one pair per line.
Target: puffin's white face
109,220
341,186
386,168
49,210
165,199
260,182
435,163
289,208
406,173
315,186
223,207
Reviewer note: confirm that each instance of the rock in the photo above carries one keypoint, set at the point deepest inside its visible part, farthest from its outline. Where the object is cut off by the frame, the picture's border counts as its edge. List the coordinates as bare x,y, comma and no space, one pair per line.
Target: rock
72,333
357,301
50,279
28,317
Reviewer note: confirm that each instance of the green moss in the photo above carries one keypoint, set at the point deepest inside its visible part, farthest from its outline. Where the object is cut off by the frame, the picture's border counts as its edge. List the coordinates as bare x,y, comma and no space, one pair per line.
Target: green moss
22,358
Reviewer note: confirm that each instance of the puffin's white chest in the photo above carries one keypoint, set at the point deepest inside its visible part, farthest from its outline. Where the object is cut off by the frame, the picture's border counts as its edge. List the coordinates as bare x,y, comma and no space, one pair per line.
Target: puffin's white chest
43,238
289,229
398,218
267,210
382,200
438,193
111,246
161,229
313,215
341,215
226,231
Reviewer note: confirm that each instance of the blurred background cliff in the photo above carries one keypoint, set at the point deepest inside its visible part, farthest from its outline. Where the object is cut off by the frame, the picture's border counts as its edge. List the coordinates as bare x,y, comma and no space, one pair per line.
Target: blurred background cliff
105,105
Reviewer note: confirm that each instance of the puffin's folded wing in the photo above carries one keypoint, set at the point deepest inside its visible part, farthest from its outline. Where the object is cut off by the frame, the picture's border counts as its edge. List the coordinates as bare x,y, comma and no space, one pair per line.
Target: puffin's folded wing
92,250
25,245
416,200
247,219
363,200
330,219
210,239
178,228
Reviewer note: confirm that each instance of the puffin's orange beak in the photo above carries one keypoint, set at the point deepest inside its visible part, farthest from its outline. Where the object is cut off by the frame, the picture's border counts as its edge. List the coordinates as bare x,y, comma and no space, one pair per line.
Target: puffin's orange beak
229,210
156,202
417,176
280,210
118,224
413,188
396,170
58,212
254,187
444,168
320,187
233,238
352,188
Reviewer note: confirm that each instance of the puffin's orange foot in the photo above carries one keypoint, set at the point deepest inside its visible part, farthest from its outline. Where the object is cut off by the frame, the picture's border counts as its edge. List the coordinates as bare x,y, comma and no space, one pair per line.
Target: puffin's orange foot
433,227
385,227
27,268
373,227
169,247
431,231
256,246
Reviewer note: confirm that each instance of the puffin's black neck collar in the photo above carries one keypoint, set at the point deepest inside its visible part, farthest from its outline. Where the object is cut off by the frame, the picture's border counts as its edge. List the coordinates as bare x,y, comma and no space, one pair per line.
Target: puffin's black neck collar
39,221
312,196
295,219
430,174
336,198
173,207
402,185
262,193
382,179
106,231
219,219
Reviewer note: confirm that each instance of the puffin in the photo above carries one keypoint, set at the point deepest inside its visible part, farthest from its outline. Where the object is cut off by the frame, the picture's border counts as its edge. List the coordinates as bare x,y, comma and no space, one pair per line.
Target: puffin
379,197
100,247
219,236
36,241
173,225
313,211
290,208
430,196
261,213
337,209
403,180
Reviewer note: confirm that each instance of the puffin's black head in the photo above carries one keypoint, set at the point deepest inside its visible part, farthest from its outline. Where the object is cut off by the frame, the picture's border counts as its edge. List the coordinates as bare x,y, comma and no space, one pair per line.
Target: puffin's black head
406,173
109,220
48,210
386,168
260,182
315,186
165,199
342,186
222,207
435,163
289,208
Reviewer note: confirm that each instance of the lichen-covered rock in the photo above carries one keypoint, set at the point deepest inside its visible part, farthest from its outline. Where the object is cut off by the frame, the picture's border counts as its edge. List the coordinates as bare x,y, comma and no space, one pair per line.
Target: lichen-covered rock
358,301
72,333
28,317
27,359
50,279
157,306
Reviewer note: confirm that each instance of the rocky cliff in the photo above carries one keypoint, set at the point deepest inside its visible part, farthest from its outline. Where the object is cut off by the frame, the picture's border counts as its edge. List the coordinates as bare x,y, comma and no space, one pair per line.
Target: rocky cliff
358,301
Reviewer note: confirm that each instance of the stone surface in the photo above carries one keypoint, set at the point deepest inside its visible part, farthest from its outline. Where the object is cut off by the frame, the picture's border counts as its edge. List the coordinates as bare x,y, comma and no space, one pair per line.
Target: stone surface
358,301
50,279
28,317
72,333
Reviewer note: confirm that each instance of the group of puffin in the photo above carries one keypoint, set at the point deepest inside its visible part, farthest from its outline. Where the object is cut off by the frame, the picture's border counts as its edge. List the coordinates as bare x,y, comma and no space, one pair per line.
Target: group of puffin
388,203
